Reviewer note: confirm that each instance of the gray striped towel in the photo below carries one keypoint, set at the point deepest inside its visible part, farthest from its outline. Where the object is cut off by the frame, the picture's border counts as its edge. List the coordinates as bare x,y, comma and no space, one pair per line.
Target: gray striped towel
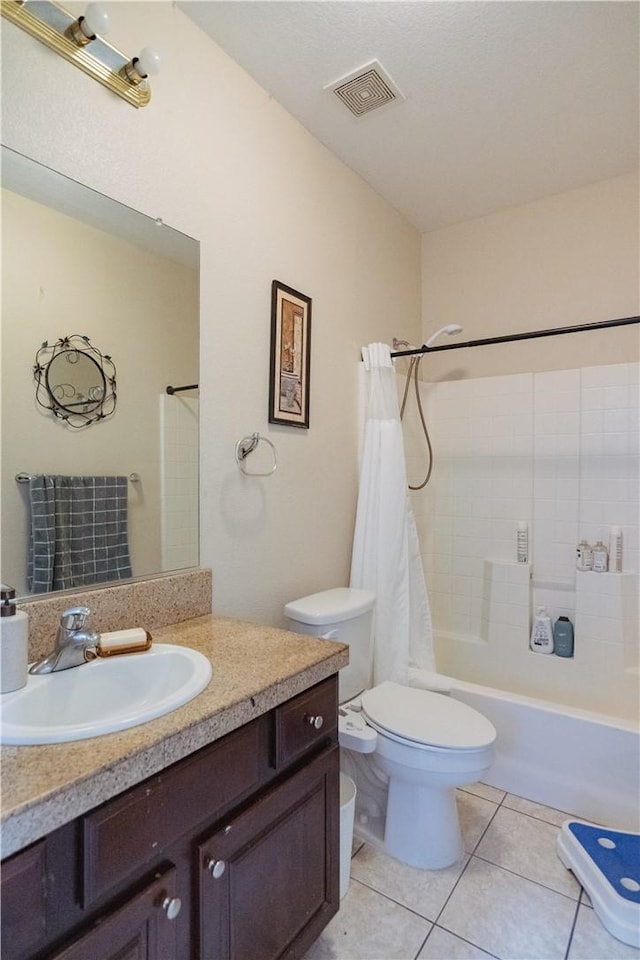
78,532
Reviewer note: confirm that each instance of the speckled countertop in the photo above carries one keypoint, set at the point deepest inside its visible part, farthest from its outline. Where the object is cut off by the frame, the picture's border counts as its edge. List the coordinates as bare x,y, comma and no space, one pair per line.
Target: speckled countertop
255,668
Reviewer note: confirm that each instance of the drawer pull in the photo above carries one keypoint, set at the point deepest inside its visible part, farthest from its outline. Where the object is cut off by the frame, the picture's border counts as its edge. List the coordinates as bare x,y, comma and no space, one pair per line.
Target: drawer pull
171,906
216,867
315,722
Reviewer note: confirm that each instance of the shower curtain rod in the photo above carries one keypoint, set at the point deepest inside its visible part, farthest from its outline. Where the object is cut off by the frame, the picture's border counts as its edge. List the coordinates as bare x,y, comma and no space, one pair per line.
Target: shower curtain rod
531,335
189,386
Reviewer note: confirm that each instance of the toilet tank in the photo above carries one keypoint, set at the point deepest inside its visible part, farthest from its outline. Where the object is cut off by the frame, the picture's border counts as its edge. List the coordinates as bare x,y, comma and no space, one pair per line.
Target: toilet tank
343,614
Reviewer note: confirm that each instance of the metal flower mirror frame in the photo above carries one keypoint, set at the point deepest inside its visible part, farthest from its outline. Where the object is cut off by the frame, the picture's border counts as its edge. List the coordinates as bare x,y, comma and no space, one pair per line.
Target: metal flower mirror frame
75,381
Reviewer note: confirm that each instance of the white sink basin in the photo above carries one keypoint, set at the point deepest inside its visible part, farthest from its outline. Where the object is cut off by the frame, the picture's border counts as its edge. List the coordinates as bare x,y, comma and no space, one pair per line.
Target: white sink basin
103,696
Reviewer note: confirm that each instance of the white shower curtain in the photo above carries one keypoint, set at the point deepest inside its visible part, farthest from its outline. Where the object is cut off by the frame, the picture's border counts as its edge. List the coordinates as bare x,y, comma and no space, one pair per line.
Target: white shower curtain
386,554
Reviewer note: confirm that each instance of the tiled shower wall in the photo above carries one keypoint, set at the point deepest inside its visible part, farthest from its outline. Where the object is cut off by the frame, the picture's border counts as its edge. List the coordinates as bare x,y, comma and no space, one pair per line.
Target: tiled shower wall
558,450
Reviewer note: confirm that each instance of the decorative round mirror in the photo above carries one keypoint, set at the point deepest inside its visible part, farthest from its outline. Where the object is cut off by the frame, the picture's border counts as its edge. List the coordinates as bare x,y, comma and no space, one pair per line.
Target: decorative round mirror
75,380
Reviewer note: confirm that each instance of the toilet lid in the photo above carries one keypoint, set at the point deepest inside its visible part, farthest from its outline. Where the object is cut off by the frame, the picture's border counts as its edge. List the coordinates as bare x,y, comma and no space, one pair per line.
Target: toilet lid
426,717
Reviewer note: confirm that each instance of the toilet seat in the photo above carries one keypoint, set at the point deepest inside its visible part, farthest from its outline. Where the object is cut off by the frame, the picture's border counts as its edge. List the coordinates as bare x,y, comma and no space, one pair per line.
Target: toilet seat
425,720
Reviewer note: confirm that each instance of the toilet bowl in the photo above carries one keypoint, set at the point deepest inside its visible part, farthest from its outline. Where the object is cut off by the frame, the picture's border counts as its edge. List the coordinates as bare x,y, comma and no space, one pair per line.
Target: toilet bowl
413,747
427,746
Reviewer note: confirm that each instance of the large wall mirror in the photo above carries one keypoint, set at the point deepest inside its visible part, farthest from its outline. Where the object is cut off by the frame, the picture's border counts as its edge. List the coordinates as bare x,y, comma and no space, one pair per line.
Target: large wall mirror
77,263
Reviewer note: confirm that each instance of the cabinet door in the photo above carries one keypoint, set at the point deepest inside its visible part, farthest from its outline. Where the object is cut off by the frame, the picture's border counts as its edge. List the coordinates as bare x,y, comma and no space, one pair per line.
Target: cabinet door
23,891
268,879
141,928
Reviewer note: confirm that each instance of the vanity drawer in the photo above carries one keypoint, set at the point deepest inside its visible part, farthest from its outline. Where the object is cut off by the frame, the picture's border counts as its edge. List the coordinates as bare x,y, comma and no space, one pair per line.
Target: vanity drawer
24,899
308,719
130,831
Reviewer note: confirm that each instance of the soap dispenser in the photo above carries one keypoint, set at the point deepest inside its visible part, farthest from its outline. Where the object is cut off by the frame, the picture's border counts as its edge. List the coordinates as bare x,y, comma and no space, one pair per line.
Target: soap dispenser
14,642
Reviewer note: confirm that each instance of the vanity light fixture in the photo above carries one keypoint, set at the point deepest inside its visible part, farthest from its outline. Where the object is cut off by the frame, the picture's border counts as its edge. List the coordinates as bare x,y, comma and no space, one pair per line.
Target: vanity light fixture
80,41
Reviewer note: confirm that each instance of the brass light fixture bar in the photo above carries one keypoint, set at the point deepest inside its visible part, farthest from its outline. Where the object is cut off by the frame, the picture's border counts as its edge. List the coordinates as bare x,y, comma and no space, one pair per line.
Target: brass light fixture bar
59,30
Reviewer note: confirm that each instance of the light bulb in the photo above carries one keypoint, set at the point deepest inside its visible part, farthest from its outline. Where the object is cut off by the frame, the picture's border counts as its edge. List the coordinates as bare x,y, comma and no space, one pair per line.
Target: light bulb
95,21
147,63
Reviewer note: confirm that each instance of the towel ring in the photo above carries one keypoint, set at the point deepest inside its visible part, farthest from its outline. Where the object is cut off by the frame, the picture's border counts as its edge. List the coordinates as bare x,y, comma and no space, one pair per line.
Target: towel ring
246,446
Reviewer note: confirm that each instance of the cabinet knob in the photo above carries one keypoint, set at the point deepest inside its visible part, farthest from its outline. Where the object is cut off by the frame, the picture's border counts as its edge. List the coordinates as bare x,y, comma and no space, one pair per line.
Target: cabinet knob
315,722
171,906
216,867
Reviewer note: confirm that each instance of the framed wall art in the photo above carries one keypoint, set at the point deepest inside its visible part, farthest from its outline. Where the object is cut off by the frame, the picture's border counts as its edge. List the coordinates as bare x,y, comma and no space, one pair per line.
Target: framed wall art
290,356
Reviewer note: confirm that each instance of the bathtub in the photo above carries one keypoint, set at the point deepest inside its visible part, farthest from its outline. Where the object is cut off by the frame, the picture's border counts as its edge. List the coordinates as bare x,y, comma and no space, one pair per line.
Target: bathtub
585,763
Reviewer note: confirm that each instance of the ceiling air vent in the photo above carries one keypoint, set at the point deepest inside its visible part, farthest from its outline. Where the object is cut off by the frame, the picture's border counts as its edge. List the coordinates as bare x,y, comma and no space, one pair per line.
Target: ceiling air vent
366,89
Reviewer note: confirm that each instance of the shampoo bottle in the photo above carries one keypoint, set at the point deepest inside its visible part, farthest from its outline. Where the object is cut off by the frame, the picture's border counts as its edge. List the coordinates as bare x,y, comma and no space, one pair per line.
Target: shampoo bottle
542,632
522,542
563,637
615,550
14,640
584,556
600,558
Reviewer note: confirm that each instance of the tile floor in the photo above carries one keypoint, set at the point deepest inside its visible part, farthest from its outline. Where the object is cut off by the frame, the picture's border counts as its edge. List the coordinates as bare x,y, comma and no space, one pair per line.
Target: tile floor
509,897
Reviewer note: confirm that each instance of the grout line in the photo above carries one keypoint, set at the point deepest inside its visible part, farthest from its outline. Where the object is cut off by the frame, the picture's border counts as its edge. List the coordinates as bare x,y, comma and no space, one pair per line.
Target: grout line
532,816
524,813
354,853
583,903
424,942
397,902
565,813
462,872
480,797
514,873
488,824
573,926
465,940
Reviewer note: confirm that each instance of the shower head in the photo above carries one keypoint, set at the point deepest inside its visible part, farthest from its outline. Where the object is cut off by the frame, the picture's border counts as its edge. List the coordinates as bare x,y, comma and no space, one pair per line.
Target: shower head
450,330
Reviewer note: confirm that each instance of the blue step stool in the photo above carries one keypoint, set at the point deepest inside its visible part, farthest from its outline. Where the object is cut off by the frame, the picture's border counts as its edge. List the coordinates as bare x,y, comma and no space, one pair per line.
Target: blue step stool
607,864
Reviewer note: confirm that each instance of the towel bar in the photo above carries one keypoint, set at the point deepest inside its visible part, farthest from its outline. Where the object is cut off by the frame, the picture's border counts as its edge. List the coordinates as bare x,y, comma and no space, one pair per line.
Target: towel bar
25,477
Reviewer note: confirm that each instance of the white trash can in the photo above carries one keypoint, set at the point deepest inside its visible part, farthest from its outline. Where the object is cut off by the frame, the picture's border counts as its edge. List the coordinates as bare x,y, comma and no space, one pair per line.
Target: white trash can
347,813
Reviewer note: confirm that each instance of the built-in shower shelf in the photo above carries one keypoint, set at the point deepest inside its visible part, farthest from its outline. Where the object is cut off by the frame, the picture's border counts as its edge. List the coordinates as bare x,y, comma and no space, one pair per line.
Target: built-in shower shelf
567,585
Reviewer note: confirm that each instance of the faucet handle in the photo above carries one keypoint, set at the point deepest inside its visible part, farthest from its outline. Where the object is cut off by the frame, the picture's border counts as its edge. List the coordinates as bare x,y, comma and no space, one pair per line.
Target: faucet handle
75,618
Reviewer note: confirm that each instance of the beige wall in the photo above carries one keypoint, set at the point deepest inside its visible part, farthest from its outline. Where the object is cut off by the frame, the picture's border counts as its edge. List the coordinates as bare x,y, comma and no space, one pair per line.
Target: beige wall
217,158
567,259
62,277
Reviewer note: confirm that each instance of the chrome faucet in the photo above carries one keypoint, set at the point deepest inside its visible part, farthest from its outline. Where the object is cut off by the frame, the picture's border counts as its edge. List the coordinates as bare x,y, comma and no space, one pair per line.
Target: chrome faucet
74,645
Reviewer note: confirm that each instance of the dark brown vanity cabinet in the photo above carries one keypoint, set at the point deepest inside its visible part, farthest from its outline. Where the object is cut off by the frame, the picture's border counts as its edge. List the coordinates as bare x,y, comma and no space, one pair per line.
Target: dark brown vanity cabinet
141,929
23,888
267,873
229,854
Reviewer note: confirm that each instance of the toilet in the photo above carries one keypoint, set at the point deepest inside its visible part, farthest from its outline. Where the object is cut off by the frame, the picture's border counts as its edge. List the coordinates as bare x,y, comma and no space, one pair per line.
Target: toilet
406,748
